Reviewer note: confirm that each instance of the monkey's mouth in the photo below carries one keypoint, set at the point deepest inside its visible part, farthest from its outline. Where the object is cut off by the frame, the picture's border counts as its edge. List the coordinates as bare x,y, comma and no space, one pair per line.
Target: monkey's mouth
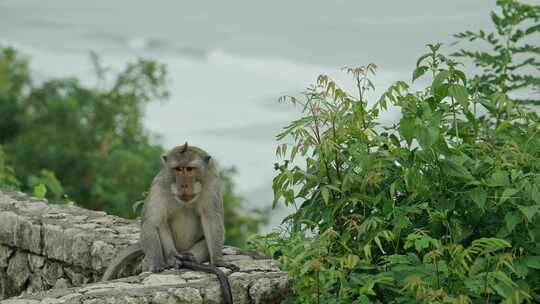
186,197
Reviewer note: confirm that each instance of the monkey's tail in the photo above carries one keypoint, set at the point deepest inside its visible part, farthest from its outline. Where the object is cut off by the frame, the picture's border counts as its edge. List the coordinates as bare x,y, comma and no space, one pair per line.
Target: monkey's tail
226,294
129,254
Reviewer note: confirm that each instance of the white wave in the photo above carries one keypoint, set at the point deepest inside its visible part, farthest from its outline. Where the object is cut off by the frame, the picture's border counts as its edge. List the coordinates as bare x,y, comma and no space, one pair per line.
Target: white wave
137,43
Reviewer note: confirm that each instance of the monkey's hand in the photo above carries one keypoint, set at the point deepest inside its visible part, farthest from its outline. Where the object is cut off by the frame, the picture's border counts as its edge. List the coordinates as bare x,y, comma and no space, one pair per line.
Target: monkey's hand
157,268
185,256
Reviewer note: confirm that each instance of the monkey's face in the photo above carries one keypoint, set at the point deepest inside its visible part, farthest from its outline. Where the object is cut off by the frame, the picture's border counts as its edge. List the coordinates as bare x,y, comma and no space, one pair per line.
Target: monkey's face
187,184
187,166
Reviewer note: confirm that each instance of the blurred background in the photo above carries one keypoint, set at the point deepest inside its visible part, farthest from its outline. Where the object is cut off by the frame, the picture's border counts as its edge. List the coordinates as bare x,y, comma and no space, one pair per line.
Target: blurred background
226,63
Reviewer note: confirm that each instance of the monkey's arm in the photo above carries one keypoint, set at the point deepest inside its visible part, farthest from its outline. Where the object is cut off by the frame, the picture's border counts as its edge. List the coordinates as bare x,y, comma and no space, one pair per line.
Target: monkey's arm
213,228
153,219
129,254
151,244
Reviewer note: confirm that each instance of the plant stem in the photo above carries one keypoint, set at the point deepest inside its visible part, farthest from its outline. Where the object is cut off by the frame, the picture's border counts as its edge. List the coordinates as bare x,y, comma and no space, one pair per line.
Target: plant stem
437,270
318,289
361,99
317,132
486,283
338,164
454,114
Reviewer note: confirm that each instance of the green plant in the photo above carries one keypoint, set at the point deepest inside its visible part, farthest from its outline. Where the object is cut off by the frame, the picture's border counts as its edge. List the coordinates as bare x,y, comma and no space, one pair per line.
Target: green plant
92,138
511,64
7,174
14,80
442,207
240,222
46,182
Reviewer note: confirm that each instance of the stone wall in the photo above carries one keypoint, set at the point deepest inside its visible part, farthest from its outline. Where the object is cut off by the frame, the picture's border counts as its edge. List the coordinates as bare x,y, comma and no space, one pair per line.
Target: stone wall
53,254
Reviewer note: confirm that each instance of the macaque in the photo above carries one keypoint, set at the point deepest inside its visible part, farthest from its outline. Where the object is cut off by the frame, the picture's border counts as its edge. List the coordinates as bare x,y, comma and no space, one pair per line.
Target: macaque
182,218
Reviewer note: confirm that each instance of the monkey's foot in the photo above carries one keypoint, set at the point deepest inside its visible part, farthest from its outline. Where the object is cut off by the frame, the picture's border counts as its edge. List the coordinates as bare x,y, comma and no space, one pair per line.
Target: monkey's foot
157,268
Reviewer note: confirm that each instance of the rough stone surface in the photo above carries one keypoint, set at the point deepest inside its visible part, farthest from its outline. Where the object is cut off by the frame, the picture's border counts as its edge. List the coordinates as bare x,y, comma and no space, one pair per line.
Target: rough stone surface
262,287
56,253
18,270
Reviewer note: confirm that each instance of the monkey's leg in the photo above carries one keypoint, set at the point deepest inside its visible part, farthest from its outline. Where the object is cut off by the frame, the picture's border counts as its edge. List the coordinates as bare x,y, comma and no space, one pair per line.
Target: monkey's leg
151,244
213,227
197,253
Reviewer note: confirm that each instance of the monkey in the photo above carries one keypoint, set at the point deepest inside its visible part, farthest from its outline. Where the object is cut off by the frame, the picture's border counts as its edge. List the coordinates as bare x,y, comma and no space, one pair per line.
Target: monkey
182,221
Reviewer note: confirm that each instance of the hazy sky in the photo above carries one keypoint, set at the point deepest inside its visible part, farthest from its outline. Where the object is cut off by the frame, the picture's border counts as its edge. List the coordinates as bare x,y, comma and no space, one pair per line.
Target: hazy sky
311,31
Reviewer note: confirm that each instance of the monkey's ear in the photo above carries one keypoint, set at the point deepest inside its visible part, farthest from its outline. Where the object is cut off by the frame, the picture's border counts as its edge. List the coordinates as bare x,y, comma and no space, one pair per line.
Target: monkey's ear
164,158
207,158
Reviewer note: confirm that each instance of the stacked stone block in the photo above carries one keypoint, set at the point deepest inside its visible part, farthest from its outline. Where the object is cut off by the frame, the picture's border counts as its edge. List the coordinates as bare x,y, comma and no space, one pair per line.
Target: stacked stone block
52,253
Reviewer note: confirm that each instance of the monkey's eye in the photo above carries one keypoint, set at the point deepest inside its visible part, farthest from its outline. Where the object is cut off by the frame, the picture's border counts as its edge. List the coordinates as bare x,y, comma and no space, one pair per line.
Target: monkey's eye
189,169
179,169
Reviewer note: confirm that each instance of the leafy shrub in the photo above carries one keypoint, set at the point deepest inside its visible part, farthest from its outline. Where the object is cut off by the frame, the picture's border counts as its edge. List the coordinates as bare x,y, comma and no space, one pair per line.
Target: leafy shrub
90,141
45,182
442,207
509,65
7,174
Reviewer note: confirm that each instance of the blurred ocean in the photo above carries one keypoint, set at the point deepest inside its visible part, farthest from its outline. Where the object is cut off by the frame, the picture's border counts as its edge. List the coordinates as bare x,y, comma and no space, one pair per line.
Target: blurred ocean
229,61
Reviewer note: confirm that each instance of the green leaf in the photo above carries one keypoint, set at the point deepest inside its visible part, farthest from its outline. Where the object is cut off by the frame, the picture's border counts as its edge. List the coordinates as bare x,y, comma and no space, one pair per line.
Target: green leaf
460,93
474,284
507,193
400,222
452,168
418,72
512,219
504,284
461,76
532,261
438,81
420,241
499,178
407,129
487,245
521,269
325,195
421,58
427,136
421,244
535,194
529,211
40,191
434,47
479,196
